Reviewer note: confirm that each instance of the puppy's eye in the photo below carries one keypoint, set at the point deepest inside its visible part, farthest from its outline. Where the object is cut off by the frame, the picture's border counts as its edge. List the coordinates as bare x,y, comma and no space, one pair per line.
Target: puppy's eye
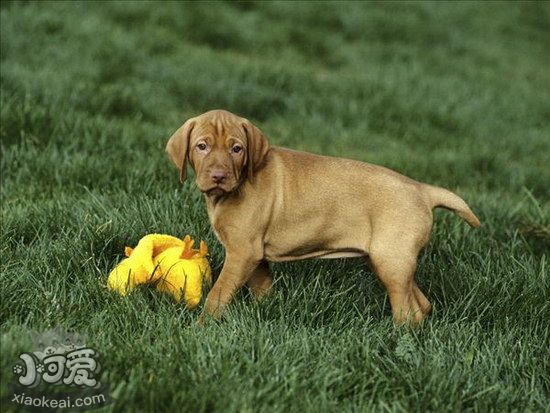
201,146
236,149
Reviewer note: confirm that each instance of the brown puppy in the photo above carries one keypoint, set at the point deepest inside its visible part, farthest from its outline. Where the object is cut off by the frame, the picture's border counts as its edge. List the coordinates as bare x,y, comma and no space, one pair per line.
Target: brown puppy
274,204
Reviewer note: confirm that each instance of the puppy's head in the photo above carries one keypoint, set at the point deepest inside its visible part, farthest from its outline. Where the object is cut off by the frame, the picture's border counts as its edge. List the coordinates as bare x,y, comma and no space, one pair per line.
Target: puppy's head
222,148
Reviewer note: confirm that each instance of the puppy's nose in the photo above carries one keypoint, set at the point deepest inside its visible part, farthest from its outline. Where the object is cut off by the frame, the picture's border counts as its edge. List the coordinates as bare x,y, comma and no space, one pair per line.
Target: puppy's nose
218,176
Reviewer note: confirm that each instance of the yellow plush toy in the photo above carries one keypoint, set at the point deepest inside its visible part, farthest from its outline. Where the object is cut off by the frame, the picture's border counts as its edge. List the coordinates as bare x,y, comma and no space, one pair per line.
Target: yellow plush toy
169,262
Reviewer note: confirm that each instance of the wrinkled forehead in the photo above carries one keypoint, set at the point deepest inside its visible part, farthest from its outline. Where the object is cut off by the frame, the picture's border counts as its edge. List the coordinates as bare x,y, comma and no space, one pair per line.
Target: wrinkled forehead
218,127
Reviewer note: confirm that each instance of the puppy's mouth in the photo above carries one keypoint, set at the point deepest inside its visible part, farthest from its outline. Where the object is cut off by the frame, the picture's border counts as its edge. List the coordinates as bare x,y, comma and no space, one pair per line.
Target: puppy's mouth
215,189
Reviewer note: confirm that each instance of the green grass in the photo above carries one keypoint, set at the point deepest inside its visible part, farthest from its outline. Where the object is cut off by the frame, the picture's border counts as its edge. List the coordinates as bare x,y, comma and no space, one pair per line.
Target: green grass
454,94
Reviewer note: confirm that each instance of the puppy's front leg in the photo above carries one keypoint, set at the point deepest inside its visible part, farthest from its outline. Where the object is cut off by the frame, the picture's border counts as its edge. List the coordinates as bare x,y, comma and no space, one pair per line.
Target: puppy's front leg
261,280
236,270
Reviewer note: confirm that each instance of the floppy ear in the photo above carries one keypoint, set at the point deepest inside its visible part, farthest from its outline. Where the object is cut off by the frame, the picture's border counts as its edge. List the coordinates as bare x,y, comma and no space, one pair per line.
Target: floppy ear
178,145
257,148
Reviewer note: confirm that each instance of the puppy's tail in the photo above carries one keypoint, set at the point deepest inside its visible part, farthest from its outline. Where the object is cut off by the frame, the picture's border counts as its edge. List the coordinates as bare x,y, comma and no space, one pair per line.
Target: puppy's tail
440,197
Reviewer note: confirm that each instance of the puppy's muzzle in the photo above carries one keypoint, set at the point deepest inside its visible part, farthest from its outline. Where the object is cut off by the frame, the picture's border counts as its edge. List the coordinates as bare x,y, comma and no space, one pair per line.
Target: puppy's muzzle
218,176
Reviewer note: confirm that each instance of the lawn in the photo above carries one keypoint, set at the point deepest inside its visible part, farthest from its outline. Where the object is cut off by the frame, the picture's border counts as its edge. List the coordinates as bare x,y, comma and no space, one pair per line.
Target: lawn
453,94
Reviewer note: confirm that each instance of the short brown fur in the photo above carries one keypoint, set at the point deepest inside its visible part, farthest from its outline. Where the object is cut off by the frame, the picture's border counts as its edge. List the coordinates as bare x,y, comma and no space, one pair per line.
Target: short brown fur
274,204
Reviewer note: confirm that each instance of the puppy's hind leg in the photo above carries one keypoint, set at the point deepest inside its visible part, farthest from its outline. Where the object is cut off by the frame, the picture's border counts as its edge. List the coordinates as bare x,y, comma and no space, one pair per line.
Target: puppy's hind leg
395,264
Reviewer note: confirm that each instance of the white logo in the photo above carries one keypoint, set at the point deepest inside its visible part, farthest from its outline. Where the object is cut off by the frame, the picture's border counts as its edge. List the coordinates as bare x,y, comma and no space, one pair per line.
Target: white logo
61,358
